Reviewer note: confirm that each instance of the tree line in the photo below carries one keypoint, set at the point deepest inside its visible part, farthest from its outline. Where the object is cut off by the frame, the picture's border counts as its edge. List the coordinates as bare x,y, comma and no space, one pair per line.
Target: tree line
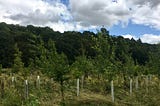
86,52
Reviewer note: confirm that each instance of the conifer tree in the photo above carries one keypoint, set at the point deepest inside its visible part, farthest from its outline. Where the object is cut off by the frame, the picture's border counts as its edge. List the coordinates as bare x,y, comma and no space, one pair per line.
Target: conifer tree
18,65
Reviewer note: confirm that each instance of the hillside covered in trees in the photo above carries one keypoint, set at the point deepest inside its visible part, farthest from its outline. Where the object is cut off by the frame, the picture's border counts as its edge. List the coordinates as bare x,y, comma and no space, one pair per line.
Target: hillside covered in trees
98,59
102,47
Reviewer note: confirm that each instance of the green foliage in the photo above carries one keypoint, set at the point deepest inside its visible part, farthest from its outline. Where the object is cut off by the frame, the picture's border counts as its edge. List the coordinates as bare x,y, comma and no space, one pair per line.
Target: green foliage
53,64
11,98
99,58
32,101
72,44
82,66
87,52
27,43
6,48
18,65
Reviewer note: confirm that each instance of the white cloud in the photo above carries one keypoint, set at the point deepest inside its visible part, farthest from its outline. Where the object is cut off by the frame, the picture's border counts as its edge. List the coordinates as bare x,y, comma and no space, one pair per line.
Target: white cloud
147,14
99,12
82,14
35,12
130,36
146,38
109,13
150,38
68,26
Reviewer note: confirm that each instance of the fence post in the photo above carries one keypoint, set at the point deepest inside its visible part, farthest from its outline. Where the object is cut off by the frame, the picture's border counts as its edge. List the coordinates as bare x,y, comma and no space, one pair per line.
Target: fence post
78,87
2,88
26,89
12,79
112,91
82,81
130,86
147,83
136,82
150,79
38,82
51,80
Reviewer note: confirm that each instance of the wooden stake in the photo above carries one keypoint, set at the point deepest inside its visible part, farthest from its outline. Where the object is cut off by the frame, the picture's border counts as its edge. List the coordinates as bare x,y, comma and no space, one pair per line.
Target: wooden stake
78,87
136,82
130,86
51,80
12,79
112,91
2,88
26,89
82,81
147,83
38,82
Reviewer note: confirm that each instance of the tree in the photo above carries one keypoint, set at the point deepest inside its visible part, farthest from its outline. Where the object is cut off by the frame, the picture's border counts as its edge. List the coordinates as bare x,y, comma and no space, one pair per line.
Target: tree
82,66
27,43
61,71
53,64
18,65
6,49
105,58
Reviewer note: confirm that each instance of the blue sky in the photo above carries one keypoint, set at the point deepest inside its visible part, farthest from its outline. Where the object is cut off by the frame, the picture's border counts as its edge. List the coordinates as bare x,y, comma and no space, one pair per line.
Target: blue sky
129,18
134,29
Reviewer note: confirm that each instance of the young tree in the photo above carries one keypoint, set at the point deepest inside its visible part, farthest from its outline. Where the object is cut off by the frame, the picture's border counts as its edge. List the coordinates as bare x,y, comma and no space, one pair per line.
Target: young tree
53,64
18,65
82,66
61,71
105,58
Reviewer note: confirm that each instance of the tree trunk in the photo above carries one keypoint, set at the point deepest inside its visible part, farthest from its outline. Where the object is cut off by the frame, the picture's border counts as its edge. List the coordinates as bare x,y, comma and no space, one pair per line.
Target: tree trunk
62,92
2,88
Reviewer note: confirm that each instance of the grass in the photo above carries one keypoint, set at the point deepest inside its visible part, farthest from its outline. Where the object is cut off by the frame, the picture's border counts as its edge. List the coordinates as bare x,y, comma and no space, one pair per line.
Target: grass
93,94
90,99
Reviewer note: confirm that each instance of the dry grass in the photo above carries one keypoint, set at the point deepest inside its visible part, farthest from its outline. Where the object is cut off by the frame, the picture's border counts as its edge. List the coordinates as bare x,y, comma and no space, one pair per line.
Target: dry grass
49,94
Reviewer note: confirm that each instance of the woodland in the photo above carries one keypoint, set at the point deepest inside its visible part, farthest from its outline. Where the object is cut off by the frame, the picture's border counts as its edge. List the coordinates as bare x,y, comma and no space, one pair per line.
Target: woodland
55,65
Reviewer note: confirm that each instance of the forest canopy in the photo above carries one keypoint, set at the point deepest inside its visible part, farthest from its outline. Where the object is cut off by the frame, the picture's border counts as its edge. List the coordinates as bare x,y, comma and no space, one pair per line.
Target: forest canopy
102,48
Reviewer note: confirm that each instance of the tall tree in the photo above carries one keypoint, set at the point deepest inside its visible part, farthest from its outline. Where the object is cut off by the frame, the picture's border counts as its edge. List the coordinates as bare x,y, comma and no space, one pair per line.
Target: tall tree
18,65
53,64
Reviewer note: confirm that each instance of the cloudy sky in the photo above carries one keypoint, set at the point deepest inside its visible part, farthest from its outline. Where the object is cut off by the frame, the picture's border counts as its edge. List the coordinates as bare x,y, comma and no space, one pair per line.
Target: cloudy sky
130,18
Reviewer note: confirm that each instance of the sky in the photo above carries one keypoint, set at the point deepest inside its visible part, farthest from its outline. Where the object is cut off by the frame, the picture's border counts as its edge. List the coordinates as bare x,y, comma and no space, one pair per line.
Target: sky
128,18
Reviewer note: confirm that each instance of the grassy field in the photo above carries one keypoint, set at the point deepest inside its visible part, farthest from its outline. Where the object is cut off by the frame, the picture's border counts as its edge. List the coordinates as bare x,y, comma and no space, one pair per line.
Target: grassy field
96,92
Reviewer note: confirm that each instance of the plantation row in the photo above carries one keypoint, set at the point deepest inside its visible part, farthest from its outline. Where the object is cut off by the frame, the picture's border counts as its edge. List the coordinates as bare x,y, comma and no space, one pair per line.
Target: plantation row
40,90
